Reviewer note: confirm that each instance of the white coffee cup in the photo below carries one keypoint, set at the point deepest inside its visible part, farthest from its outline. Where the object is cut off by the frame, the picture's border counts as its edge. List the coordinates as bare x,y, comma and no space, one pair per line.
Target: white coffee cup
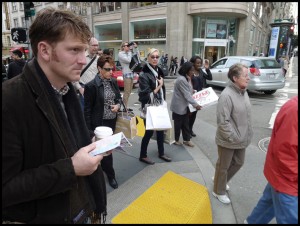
102,132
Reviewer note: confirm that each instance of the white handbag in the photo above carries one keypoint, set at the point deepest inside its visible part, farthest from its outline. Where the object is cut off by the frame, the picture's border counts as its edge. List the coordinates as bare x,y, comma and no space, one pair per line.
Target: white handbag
158,118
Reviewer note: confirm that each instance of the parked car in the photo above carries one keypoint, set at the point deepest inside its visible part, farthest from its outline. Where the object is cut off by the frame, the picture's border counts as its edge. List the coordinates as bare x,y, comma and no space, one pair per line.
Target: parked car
266,74
119,75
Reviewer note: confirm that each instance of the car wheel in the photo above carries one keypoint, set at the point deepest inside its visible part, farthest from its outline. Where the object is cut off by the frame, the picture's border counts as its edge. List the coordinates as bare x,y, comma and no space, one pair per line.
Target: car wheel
269,92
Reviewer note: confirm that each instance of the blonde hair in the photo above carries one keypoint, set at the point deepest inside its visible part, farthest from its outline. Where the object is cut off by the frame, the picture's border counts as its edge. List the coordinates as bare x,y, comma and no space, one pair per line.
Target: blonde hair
152,50
123,45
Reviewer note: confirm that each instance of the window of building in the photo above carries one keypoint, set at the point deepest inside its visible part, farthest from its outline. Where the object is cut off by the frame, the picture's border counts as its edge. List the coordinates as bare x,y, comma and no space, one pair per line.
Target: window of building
16,22
23,22
254,7
14,6
216,29
148,29
198,27
252,33
109,32
198,49
133,5
109,6
250,50
149,34
21,6
118,6
258,40
260,11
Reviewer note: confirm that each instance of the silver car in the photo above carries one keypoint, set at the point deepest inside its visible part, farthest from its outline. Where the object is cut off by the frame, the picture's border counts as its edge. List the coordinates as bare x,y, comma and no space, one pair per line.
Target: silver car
265,73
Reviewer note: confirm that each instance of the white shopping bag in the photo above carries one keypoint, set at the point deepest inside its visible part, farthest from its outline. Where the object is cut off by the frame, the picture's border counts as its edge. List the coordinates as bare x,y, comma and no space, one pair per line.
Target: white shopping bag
158,118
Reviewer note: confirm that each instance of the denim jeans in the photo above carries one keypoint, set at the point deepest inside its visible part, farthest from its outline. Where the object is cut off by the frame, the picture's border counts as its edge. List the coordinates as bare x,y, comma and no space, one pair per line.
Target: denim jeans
275,204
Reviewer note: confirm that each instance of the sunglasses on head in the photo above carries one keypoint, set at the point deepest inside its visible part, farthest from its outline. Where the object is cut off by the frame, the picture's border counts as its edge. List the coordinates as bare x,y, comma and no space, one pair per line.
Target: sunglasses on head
154,57
107,69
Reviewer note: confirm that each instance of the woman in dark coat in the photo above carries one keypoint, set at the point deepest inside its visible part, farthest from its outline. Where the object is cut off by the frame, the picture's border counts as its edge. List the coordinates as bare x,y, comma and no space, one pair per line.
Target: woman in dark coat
151,83
102,99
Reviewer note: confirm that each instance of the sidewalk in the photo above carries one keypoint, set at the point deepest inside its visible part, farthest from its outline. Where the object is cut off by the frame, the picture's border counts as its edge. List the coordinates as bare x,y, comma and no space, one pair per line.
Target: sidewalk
135,177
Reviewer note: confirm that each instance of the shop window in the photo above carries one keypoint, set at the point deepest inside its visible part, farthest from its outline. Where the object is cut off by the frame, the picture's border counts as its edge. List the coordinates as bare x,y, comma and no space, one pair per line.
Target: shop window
216,29
153,29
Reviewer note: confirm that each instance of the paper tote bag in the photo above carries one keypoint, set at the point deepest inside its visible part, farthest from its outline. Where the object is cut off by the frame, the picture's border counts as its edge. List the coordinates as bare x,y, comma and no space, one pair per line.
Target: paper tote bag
158,118
168,136
126,123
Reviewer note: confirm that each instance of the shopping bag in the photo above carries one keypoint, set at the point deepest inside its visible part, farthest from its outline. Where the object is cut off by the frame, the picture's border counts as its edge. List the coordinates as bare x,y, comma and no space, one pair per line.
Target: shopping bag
168,135
157,118
140,126
152,102
126,123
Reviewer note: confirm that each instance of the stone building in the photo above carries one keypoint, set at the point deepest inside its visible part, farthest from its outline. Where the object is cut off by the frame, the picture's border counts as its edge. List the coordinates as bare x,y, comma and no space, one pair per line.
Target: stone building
208,29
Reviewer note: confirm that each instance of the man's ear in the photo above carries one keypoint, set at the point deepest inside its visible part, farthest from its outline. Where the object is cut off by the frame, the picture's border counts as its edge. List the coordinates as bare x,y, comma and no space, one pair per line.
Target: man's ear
234,78
44,51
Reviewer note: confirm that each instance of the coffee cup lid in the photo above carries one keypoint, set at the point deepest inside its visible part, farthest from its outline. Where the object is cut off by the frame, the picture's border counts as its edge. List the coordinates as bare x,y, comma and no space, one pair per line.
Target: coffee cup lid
103,131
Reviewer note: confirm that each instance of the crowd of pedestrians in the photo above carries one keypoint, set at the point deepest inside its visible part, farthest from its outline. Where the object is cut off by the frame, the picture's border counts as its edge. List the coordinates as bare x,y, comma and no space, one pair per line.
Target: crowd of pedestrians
52,106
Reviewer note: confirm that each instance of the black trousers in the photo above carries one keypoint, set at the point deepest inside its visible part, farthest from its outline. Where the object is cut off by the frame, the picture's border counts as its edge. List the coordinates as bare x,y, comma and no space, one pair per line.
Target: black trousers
192,118
181,123
146,140
107,161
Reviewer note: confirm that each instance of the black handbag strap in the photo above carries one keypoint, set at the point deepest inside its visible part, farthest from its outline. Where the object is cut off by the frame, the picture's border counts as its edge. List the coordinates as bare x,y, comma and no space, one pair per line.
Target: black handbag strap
87,66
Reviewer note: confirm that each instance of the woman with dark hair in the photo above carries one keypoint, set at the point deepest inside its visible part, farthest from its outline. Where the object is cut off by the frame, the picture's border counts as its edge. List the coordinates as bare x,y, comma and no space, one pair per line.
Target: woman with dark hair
182,97
199,83
102,100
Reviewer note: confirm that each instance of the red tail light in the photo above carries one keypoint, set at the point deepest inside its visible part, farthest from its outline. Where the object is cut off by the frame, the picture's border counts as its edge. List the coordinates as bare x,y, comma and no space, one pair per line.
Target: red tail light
254,71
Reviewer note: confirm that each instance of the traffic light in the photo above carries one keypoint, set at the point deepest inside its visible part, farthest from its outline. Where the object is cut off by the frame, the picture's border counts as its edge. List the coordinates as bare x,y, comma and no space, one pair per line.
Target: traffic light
27,8
292,28
18,34
291,31
232,28
281,45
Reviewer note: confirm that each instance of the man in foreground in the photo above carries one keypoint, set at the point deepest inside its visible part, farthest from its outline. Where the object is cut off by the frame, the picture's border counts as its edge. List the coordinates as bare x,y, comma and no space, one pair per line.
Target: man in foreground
48,175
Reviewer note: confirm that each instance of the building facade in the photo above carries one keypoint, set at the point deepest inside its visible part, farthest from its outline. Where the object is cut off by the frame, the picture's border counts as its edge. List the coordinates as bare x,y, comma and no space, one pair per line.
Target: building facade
208,29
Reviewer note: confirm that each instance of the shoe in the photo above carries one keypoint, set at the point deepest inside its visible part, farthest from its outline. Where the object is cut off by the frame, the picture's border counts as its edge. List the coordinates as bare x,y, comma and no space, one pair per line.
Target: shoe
146,160
178,143
245,221
188,143
193,134
227,186
222,198
113,183
165,158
